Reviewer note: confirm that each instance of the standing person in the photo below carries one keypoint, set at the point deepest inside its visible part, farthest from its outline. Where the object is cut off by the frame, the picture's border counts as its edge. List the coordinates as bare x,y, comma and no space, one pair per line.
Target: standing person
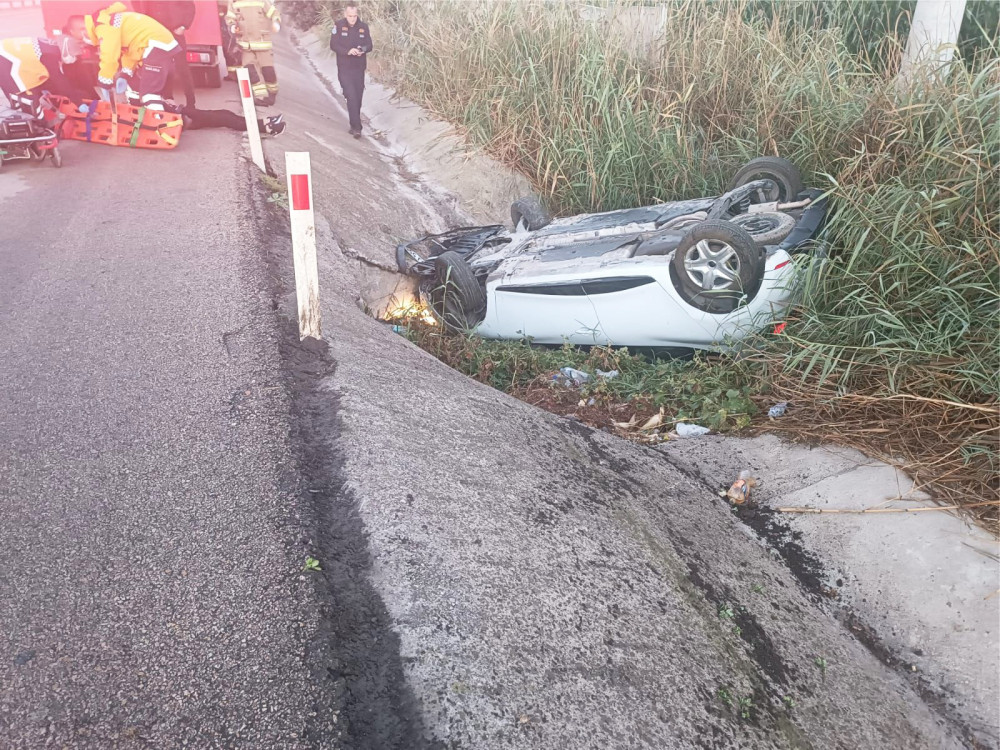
177,16
29,66
230,47
252,22
140,49
352,41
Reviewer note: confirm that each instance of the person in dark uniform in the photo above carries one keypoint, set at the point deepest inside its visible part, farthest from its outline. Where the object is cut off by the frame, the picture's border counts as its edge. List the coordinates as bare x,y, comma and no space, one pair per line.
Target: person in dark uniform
177,16
352,41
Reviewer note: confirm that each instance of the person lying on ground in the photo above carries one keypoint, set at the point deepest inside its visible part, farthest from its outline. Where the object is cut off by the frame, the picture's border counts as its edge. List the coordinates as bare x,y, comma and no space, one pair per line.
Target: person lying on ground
199,119
30,66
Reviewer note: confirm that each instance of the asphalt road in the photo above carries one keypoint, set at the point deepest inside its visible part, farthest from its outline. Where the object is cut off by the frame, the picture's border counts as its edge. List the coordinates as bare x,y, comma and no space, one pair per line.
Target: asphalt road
151,546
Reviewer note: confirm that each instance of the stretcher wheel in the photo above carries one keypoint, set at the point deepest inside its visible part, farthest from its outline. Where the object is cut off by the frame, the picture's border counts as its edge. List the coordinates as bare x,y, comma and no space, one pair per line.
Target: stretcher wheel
56,157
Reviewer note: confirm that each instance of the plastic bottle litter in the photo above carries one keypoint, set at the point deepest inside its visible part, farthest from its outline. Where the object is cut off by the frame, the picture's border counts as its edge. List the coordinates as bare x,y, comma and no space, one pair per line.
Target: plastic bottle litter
739,493
576,377
687,430
778,410
609,375
399,329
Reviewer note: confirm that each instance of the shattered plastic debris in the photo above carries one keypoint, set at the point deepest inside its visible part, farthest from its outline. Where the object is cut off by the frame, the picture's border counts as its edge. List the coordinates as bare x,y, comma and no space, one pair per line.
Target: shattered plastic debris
739,493
687,430
778,410
569,376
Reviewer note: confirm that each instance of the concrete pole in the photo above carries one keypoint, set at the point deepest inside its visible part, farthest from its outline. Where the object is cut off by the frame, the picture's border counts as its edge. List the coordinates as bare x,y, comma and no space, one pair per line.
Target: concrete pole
933,40
303,223
250,115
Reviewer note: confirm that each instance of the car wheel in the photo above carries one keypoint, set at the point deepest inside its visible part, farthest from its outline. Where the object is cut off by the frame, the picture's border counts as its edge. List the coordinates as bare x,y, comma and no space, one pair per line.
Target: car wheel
766,227
531,212
781,171
457,298
717,266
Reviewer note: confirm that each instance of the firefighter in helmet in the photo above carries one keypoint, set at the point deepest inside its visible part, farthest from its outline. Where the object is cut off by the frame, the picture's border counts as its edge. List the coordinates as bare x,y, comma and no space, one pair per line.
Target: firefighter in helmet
252,22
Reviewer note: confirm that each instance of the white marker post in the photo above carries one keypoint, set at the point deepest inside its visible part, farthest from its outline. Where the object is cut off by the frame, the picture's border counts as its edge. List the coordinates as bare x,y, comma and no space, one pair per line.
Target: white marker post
300,211
250,115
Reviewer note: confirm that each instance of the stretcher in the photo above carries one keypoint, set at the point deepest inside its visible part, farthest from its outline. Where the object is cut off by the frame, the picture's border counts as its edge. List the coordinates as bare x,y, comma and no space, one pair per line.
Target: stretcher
121,125
23,137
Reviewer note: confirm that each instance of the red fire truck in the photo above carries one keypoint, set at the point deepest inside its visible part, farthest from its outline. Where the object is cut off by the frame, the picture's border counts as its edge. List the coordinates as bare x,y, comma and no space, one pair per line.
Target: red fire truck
204,38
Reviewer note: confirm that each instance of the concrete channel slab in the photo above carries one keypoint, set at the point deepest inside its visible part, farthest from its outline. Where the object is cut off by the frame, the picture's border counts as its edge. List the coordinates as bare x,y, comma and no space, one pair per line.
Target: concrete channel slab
921,585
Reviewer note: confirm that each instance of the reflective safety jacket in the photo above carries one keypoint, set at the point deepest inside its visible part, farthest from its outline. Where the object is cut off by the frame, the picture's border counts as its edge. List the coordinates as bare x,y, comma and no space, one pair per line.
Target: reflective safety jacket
25,56
124,39
254,22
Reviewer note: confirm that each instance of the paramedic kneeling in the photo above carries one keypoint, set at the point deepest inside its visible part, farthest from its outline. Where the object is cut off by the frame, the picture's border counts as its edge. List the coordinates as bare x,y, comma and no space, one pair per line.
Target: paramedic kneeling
141,49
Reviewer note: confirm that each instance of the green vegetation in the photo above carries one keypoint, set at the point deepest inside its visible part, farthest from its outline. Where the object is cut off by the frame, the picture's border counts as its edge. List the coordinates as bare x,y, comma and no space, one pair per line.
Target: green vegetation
698,390
822,664
895,345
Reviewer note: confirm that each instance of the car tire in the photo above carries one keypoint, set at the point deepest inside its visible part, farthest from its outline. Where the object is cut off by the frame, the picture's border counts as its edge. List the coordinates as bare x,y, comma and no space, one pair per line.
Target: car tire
781,171
766,227
531,211
457,298
709,253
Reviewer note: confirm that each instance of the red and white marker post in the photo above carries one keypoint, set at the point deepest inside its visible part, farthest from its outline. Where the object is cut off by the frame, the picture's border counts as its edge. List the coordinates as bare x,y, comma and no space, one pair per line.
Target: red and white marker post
300,210
250,115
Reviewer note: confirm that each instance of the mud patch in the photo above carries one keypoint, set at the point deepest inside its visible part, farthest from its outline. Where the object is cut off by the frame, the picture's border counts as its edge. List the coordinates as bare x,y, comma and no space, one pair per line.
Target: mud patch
363,699
780,537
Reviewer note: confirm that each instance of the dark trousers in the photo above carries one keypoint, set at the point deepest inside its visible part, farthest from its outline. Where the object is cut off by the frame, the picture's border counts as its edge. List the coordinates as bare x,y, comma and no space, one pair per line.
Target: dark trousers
353,84
152,76
195,119
181,73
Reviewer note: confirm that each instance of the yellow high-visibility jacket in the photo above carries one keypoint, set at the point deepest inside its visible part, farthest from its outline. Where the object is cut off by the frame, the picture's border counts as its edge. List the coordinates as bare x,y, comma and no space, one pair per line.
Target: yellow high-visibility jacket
26,62
124,39
255,21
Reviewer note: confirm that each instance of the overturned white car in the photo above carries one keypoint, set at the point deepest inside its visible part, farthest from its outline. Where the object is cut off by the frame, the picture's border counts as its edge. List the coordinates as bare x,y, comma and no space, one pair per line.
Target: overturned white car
687,274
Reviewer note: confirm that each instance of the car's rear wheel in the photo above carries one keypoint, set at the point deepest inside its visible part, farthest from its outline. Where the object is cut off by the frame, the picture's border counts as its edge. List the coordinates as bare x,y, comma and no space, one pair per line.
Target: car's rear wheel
717,266
766,227
783,173
457,298
530,212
